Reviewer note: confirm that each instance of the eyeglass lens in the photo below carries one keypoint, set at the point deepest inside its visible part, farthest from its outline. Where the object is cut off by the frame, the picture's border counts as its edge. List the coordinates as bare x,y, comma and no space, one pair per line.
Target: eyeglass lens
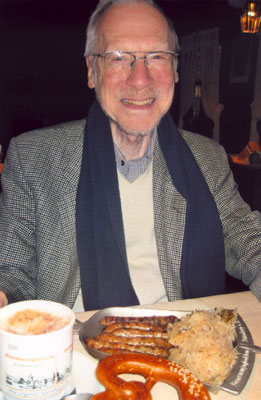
122,60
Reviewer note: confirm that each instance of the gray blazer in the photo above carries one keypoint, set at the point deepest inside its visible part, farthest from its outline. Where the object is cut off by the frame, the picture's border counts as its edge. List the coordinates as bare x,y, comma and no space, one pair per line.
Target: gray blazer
38,255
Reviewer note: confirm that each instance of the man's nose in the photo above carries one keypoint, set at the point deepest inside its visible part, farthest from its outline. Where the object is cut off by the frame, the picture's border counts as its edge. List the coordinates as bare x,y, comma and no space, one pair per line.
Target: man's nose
139,75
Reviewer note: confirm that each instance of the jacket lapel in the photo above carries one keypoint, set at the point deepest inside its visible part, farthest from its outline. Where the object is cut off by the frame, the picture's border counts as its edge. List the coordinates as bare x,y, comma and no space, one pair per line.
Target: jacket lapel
66,195
169,217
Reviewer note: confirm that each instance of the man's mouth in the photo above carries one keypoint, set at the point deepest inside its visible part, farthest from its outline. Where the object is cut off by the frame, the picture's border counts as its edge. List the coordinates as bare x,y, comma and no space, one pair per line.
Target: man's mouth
138,102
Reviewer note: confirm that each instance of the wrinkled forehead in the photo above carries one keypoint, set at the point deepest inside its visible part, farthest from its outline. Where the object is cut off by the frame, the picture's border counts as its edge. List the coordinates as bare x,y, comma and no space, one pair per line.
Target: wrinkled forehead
126,23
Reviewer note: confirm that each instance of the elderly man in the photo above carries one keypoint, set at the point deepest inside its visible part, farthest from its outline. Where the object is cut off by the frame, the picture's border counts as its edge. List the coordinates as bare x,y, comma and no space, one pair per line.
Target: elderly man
123,208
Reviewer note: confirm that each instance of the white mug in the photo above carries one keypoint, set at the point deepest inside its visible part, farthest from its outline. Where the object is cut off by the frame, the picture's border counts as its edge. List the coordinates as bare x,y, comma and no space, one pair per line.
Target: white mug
36,365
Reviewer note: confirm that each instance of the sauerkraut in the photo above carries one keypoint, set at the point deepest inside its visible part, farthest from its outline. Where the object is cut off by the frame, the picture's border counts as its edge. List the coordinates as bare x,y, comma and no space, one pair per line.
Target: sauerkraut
203,343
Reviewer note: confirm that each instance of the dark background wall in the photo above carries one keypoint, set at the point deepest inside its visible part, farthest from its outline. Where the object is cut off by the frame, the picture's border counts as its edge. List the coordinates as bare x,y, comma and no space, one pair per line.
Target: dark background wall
43,78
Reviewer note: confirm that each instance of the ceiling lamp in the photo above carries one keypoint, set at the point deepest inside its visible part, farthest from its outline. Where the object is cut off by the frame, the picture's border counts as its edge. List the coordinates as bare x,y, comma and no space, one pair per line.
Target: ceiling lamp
250,19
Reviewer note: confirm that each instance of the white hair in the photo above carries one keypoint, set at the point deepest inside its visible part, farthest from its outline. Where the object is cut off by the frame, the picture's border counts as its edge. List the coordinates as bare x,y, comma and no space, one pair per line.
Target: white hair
93,25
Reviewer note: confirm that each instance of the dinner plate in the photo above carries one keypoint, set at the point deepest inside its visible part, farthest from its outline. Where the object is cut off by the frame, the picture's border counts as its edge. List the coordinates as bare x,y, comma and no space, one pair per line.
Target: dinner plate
83,372
240,373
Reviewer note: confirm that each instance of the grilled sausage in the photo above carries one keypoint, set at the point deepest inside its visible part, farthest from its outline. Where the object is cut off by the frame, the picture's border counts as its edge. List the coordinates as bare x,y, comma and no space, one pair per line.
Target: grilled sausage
152,320
110,347
134,340
135,325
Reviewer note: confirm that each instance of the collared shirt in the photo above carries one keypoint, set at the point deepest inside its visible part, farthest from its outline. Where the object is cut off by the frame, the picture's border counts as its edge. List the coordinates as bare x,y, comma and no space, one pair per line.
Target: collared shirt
132,169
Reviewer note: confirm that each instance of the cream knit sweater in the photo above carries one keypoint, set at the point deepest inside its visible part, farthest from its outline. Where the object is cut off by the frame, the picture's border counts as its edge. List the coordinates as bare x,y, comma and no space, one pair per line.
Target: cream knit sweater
138,220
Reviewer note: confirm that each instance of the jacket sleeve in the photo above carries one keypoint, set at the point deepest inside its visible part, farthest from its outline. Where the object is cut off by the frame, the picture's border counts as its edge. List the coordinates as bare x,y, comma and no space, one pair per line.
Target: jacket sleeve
242,231
17,231
241,226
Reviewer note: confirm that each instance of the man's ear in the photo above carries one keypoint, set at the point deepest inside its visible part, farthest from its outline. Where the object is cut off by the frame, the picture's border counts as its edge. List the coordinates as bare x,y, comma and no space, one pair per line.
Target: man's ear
176,77
91,80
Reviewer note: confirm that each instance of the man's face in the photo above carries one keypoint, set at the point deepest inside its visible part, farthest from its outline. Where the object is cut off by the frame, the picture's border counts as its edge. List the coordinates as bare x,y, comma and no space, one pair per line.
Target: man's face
135,100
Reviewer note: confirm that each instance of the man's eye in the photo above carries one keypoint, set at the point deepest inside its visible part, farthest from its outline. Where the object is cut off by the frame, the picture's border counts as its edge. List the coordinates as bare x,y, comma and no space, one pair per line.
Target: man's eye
117,58
158,56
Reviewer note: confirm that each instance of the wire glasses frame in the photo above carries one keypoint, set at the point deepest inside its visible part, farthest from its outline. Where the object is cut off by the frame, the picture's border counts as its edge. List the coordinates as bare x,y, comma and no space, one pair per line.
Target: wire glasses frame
124,59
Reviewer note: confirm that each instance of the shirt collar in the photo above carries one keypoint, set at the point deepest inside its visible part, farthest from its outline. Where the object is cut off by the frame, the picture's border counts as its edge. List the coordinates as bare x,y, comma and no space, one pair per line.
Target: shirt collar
132,169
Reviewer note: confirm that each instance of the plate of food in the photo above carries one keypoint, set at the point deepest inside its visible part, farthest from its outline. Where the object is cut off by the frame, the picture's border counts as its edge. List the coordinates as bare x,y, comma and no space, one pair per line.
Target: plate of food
205,342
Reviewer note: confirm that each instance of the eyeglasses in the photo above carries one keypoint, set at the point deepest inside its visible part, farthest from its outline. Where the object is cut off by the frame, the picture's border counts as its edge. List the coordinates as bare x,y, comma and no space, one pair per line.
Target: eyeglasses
124,61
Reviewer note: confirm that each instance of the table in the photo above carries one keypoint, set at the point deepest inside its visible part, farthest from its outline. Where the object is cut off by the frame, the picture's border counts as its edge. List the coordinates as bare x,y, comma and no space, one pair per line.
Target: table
248,307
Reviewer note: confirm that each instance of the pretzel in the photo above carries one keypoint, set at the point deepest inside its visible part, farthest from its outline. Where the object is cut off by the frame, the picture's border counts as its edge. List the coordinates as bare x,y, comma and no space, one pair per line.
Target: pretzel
154,370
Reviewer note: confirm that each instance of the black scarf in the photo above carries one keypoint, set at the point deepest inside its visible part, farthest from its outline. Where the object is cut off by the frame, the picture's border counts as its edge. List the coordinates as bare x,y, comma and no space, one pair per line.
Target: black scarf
105,278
